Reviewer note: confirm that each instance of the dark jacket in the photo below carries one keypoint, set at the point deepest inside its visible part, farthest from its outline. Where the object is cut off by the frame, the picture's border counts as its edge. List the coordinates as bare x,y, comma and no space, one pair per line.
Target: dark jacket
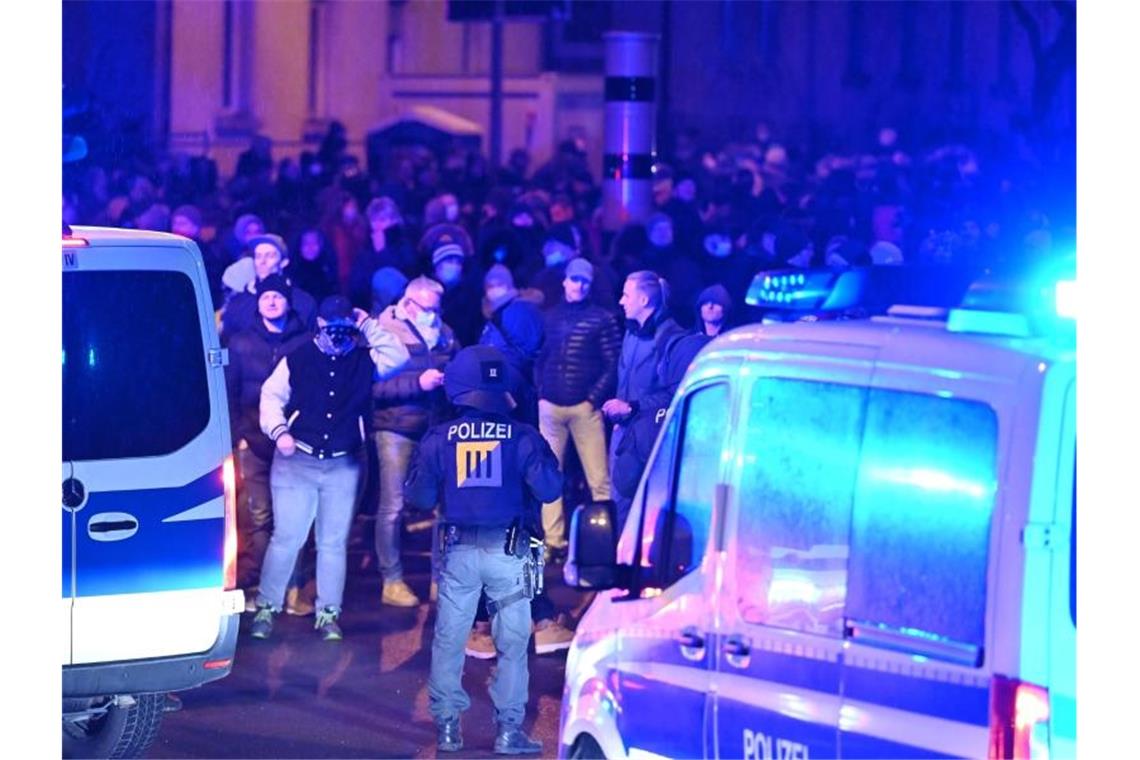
400,404
632,453
254,352
641,350
241,311
578,360
512,471
516,328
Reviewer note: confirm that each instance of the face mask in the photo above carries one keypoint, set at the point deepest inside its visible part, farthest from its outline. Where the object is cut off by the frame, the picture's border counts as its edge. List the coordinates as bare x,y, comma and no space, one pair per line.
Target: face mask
499,255
449,273
661,236
424,319
718,246
336,340
554,254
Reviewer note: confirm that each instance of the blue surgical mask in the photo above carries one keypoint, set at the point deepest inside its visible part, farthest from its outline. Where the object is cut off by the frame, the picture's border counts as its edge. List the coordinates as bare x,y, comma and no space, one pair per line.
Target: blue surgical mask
555,254
449,272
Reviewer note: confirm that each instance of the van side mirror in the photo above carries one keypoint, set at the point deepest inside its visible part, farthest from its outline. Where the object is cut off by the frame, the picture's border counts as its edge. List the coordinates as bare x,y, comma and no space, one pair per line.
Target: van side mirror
591,562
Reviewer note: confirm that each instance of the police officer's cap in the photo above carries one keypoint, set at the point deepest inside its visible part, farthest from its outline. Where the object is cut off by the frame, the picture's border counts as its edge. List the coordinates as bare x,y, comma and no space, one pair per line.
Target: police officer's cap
479,377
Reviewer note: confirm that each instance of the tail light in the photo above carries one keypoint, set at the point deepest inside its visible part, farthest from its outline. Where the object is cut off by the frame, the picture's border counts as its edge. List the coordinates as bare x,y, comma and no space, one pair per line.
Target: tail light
229,485
1019,720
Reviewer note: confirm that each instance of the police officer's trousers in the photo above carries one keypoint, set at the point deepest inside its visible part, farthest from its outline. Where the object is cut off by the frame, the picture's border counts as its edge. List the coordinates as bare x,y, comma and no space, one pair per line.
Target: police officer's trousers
467,569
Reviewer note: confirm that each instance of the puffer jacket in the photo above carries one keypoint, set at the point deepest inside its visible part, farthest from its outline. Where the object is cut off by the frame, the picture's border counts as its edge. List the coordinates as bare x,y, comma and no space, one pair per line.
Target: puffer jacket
254,352
400,405
641,350
578,361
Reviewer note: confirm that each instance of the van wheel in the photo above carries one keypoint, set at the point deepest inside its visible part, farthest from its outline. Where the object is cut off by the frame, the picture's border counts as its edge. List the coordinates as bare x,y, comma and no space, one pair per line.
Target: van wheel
585,748
100,728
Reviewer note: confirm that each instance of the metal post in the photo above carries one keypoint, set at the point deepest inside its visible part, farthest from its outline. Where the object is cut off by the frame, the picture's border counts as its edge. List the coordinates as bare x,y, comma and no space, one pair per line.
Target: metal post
630,128
497,85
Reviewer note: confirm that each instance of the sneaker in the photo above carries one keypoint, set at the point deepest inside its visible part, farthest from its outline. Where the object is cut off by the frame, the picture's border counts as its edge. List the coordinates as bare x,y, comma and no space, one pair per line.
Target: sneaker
551,636
511,740
480,645
448,737
397,594
262,624
327,625
296,604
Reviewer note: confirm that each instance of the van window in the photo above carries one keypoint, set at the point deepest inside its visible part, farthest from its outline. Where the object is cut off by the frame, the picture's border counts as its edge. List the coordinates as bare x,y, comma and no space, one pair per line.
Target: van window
675,527
921,523
801,460
134,369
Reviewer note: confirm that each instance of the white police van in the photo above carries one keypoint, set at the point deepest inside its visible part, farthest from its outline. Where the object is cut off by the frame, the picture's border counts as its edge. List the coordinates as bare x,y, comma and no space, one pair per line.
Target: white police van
149,538
852,539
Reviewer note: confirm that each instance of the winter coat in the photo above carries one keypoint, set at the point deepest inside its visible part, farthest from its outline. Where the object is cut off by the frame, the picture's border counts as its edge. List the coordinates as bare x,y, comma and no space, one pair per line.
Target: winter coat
254,352
641,350
400,405
579,356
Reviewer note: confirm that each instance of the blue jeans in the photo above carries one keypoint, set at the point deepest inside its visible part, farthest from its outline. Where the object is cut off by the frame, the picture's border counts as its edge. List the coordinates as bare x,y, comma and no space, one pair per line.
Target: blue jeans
395,454
306,489
467,570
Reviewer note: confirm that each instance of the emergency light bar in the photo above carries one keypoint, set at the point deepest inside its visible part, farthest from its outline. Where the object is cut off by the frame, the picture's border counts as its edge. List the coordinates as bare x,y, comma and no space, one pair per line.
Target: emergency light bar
871,290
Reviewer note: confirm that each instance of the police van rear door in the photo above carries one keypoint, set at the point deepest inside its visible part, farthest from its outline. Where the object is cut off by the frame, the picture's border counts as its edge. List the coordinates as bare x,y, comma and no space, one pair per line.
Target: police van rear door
145,433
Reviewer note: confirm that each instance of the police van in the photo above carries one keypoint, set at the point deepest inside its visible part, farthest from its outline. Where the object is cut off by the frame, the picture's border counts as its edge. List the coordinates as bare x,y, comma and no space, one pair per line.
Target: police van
149,597
853,539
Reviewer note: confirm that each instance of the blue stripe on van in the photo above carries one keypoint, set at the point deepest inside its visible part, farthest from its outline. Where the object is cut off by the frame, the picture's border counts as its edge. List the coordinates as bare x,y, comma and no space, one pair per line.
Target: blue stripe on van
964,704
801,672
159,556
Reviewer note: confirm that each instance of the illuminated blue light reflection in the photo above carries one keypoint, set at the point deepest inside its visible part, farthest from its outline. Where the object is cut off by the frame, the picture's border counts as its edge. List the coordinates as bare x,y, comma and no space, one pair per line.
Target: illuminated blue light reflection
1066,295
931,480
90,357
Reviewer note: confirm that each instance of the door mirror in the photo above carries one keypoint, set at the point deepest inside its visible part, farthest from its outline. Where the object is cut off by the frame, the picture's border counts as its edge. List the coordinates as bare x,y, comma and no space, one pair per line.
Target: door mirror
591,562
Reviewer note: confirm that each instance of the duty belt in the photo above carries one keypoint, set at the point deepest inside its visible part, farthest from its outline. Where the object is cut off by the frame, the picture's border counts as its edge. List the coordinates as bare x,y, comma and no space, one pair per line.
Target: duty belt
320,453
479,535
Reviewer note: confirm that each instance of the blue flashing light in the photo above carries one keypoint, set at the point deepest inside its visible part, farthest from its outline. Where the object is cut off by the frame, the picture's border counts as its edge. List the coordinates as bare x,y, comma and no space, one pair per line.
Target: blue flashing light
90,357
1065,293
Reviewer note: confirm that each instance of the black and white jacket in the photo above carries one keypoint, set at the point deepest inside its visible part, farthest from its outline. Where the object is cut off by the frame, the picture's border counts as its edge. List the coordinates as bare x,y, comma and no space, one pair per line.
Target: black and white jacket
324,401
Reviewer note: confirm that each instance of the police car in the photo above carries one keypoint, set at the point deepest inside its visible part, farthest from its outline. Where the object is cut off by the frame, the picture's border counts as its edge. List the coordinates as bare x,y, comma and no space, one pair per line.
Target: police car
148,523
853,539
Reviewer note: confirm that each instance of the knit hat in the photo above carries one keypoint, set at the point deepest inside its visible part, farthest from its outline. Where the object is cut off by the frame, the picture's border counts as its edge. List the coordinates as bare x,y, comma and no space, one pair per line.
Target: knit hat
276,283
563,233
580,267
244,221
498,275
443,241
187,211
717,294
388,284
271,239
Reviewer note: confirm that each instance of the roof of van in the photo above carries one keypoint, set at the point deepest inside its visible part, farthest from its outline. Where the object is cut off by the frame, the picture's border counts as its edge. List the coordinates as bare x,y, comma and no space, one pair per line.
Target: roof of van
904,342
100,236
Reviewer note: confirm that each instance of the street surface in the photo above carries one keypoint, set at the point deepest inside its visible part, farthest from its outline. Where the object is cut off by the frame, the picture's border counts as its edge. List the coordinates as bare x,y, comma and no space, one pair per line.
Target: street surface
296,696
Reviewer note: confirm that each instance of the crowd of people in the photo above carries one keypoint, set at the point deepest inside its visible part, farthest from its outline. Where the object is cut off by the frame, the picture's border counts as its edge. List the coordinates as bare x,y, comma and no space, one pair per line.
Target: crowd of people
309,259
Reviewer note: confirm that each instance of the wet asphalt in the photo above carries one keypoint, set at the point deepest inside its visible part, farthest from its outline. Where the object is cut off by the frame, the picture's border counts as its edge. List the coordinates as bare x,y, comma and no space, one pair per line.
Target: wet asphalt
297,696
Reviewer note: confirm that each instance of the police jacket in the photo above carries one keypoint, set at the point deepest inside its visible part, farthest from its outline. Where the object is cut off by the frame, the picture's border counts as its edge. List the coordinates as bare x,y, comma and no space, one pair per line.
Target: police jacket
485,469
253,355
578,361
401,405
324,401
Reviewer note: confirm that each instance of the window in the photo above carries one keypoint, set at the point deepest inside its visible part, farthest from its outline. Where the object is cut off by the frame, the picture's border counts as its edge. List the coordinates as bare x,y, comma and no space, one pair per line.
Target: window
802,453
134,369
675,525
921,523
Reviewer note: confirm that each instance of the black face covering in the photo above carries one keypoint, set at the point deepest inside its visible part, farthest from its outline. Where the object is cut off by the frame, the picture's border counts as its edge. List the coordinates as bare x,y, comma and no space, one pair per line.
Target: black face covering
336,340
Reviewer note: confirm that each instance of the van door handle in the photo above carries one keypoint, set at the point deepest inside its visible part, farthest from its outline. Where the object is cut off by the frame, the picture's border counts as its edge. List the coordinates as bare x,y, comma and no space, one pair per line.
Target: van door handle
692,643
738,650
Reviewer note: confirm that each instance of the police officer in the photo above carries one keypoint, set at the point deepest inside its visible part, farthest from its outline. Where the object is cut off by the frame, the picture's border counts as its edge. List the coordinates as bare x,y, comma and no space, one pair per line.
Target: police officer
490,474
